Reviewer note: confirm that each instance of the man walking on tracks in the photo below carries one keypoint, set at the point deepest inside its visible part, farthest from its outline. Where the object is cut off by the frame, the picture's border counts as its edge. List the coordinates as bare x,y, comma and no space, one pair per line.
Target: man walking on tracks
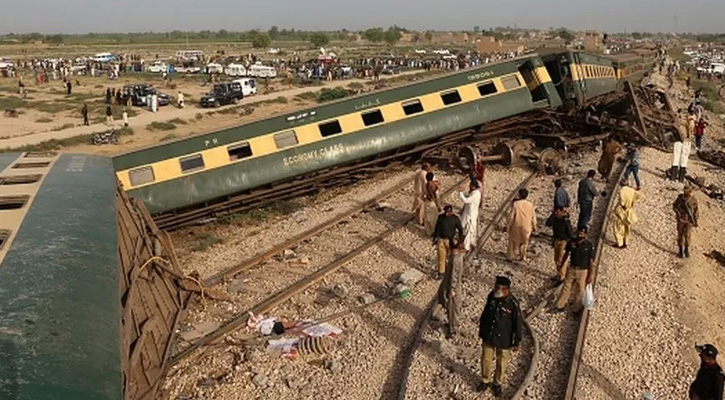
562,231
469,216
430,203
708,384
522,222
447,291
687,214
418,186
624,214
585,197
610,149
561,196
500,327
447,227
580,272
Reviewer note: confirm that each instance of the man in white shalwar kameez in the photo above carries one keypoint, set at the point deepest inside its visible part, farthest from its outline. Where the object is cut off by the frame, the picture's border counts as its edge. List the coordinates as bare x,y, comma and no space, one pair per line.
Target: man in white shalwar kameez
469,215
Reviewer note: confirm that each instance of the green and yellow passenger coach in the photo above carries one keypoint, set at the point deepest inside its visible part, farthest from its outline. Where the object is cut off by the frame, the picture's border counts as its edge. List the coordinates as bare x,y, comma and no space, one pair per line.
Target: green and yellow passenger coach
206,168
202,168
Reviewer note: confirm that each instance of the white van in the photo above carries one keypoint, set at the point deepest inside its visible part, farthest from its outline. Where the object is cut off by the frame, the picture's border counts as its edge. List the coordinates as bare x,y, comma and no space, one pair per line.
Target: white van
262,71
249,86
717,68
214,68
103,57
235,70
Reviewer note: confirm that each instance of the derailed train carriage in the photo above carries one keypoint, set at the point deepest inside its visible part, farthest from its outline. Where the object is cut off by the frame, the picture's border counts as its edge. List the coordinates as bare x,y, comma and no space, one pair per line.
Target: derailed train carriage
84,314
202,170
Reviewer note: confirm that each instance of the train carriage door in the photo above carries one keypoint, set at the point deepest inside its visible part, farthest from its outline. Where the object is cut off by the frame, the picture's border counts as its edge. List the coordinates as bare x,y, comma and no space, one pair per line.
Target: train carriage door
533,82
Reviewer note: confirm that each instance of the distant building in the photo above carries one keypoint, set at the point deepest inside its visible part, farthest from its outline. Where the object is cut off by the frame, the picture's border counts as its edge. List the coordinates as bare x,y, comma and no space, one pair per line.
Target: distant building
450,38
488,45
592,40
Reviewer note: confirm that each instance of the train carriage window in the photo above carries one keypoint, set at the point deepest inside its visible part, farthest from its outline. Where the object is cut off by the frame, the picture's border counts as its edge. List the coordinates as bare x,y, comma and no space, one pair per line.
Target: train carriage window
412,107
41,154
486,88
330,128
284,139
372,117
239,151
451,97
191,163
12,202
4,236
141,176
19,179
510,82
31,165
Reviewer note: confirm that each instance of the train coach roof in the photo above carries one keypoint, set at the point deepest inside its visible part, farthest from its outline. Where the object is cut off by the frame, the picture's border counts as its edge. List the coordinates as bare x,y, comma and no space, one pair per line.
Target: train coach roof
624,58
322,112
59,306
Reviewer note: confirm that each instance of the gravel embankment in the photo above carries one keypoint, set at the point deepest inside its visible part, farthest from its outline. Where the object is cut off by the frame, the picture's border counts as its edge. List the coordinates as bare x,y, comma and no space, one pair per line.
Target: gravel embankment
652,307
366,357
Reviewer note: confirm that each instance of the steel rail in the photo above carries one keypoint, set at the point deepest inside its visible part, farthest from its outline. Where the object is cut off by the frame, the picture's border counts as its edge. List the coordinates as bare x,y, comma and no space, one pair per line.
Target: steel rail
285,294
584,321
420,326
315,230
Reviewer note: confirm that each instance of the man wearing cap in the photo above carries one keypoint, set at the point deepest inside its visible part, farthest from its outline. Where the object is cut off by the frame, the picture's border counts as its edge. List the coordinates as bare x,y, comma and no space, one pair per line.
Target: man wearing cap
447,227
708,384
687,214
501,327
580,272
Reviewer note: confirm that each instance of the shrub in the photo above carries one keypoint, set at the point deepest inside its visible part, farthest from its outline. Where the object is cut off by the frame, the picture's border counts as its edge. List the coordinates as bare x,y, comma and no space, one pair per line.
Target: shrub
331,94
161,126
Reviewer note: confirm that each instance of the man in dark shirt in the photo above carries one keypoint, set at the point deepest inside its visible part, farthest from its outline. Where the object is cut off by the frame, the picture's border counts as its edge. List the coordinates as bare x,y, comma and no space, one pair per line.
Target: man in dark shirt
585,197
708,384
563,233
561,196
581,270
501,327
447,227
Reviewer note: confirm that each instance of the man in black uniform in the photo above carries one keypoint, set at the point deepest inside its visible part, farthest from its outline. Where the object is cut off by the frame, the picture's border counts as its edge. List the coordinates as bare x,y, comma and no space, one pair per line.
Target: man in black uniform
447,227
500,327
562,231
580,272
708,384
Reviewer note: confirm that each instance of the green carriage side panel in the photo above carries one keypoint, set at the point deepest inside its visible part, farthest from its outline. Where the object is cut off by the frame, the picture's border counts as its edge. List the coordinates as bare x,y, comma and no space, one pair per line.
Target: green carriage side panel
59,306
7,159
234,178
323,112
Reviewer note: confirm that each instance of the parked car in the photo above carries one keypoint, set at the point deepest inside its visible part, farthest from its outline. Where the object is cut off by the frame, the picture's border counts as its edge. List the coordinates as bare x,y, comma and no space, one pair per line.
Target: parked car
158,67
391,70
235,70
139,93
223,93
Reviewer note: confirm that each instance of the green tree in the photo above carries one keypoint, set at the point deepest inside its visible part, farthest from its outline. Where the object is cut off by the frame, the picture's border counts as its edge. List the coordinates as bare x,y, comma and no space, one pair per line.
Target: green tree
392,36
260,40
565,34
636,35
429,36
319,39
273,33
476,29
375,35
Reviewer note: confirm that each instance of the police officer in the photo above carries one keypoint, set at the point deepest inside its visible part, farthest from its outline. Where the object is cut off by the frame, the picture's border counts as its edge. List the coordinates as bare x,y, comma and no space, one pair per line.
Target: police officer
500,327
687,214
708,384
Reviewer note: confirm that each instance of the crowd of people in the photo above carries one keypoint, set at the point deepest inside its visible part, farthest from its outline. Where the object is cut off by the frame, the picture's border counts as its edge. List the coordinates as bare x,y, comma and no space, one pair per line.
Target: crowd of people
501,322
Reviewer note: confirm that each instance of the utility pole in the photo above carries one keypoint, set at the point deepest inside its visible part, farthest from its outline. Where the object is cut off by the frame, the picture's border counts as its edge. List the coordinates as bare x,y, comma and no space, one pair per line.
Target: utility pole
674,24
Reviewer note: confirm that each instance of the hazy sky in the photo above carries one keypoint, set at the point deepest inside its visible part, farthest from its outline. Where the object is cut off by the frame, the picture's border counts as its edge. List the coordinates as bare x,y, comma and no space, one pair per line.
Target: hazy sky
79,16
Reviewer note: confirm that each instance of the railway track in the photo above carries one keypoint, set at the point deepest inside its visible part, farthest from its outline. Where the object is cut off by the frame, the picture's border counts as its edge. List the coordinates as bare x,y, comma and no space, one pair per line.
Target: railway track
536,374
354,231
